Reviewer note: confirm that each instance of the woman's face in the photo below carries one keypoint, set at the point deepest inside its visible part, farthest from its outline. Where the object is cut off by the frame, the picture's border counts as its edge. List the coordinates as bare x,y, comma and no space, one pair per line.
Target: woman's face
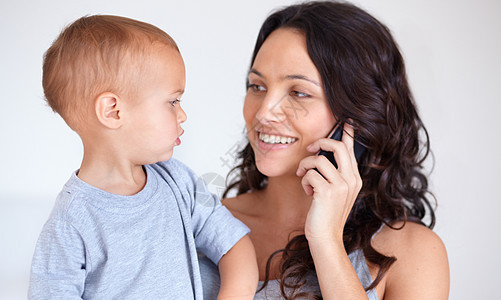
285,107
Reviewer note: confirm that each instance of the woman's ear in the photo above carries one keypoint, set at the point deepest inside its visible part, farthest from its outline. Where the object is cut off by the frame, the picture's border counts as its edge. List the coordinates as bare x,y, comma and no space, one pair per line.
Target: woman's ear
107,108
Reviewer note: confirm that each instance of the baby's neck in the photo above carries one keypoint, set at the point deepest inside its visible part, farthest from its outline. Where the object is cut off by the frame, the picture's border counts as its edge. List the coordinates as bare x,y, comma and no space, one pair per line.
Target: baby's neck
112,176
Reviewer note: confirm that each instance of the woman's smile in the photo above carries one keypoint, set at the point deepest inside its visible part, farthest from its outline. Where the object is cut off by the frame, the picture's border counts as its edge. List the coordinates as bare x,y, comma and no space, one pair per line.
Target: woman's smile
282,81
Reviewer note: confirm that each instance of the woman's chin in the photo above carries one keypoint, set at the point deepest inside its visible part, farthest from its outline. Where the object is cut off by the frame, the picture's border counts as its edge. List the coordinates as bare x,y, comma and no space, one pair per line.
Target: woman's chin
274,168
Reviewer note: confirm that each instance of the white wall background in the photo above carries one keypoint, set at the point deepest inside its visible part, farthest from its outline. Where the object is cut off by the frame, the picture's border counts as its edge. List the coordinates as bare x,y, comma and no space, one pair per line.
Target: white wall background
453,54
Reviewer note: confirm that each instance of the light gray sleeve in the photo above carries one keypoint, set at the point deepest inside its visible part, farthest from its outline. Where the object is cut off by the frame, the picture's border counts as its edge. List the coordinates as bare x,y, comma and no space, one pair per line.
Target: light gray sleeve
215,229
58,266
209,273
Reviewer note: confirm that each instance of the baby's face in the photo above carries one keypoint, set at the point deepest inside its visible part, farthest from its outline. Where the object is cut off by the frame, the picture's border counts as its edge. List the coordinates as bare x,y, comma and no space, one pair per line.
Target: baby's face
155,116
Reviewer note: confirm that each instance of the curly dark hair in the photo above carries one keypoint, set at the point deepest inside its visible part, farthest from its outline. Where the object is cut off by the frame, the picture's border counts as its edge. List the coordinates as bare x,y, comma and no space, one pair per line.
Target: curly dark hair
365,84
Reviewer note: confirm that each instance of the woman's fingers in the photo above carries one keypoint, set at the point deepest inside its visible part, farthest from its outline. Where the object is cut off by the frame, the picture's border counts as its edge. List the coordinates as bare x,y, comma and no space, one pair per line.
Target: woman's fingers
344,155
339,149
334,190
319,162
318,172
312,181
347,138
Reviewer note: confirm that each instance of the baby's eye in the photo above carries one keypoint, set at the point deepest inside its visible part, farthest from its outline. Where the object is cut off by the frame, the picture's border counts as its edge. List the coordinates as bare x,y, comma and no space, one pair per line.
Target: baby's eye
299,94
174,102
256,88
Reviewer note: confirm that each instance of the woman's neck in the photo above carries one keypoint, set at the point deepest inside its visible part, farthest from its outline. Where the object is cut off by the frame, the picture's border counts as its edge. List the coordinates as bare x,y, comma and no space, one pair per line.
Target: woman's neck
285,200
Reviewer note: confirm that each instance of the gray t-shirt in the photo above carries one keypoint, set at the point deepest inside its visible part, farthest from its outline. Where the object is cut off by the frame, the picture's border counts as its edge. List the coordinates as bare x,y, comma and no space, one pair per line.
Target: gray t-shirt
211,281
98,245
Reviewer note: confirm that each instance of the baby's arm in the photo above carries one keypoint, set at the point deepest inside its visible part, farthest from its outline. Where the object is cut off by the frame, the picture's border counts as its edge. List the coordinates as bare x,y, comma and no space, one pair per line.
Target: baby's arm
58,266
220,236
238,271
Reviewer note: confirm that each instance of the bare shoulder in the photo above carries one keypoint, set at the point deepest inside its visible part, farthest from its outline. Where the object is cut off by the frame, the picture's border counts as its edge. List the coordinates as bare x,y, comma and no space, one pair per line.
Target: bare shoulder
412,236
421,270
242,206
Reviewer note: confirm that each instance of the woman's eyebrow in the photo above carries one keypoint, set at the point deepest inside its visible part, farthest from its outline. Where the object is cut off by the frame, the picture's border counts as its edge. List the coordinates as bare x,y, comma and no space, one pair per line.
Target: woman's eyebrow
289,77
254,71
301,77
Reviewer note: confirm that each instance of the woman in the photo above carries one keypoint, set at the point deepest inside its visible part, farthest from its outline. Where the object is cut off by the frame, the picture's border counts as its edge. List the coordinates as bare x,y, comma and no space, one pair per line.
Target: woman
351,231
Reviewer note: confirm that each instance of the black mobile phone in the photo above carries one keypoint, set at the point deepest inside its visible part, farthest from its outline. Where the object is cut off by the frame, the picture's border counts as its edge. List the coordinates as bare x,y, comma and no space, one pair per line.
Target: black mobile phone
358,148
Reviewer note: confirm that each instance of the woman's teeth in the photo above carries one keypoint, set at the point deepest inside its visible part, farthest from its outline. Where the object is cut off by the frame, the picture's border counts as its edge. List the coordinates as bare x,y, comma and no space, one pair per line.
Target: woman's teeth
275,139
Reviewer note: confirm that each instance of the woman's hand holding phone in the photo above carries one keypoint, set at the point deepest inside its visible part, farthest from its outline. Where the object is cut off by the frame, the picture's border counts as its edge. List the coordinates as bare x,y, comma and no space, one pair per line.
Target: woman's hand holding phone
334,190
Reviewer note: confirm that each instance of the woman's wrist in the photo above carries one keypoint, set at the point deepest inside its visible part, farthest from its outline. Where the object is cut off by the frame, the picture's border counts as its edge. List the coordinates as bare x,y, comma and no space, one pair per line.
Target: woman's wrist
326,247
335,273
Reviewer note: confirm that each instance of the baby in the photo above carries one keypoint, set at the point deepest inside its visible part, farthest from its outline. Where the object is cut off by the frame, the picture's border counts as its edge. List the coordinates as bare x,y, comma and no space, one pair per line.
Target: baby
128,223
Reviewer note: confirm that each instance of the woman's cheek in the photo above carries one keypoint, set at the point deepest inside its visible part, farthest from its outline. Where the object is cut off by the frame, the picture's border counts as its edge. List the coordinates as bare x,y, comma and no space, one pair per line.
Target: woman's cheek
250,110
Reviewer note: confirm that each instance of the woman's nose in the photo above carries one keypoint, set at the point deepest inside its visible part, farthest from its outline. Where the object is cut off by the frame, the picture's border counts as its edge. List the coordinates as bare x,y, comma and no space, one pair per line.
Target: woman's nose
272,108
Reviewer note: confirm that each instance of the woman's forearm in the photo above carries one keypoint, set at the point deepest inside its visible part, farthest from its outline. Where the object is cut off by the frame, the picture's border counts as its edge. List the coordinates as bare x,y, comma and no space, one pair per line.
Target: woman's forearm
336,276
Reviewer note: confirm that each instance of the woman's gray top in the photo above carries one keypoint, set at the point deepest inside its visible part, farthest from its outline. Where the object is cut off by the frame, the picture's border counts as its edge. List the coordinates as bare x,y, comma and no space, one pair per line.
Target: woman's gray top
211,282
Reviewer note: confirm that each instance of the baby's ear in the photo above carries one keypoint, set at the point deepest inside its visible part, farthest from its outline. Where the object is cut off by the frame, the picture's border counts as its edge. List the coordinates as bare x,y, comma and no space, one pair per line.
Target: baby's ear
107,108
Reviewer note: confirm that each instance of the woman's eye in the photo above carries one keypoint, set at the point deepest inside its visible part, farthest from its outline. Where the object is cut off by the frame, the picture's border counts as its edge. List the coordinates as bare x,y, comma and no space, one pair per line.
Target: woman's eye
299,94
256,88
